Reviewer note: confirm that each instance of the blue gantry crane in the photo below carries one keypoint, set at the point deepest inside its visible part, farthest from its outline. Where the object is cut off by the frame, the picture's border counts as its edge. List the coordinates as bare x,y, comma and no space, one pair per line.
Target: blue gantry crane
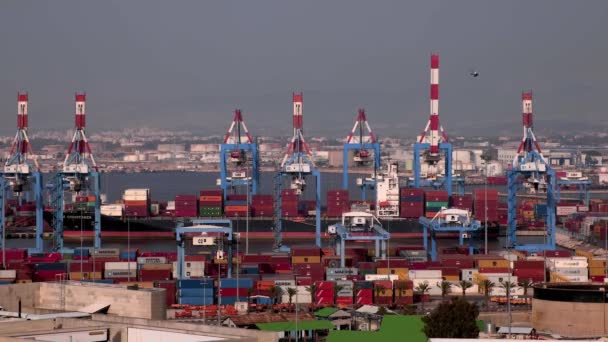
449,220
536,175
20,176
361,143
202,228
297,165
359,226
239,158
433,144
577,180
79,175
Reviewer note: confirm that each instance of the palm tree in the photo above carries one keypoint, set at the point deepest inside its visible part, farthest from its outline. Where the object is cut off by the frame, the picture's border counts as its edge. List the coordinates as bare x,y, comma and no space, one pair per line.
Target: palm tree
507,285
337,288
422,289
312,289
379,288
400,287
249,294
526,284
291,292
446,288
487,286
275,293
464,286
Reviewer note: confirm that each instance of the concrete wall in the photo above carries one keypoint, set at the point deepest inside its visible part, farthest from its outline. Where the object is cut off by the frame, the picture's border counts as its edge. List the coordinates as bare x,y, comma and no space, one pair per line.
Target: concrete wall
570,319
9,296
150,304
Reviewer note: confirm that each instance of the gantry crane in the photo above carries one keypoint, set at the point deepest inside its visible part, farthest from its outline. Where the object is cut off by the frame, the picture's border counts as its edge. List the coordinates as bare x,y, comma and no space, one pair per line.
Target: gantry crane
20,175
432,142
449,220
361,143
239,158
79,175
537,175
297,165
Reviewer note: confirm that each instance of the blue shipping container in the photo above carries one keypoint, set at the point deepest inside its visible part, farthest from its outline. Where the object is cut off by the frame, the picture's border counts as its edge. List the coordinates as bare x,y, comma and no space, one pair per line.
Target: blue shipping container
201,292
232,283
82,252
194,283
51,266
195,300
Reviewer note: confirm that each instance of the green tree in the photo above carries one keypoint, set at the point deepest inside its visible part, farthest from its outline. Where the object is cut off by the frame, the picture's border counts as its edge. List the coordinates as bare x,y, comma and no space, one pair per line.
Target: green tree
455,319
400,287
464,286
446,288
422,288
275,294
313,292
507,286
525,284
487,286
249,294
291,292
337,288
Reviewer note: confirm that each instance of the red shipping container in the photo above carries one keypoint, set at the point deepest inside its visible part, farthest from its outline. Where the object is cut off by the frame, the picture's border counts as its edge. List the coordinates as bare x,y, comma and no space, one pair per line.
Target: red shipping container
344,300
324,300
557,254
325,285
232,292
364,300
151,275
185,213
51,275
185,198
529,264
404,300
458,262
437,196
303,281
494,270
236,197
170,288
383,300
411,192
392,263
324,293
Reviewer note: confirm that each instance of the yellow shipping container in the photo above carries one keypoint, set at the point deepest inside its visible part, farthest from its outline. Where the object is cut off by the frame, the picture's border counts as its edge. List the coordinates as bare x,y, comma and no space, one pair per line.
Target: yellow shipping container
478,278
404,293
85,276
451,277
306,260
597,263
493,263
157,267
401,272
383,293
520,255
583,253
597,271
141,284
558,278
23,281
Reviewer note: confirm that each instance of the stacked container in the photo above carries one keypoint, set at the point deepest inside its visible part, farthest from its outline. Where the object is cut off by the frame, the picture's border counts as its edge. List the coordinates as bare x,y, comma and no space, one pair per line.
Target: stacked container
233,290
195,291
383,292
364,291
120,271
479,202
398,267
194,267
153,268
464,202
411,202
85,271
262,205
236,206
211,203
532,270
186,206
345,295
337,202
404,292
137,202
289,203
84,203
324,293
170,288
435,200
574,269
50,271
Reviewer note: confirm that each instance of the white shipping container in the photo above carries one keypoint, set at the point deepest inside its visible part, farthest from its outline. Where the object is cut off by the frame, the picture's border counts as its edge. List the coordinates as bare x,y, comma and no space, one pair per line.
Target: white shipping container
137,192
8,274
468,273
455,290
342,271
121,265
565,210
106,252
497,278
108,274
577,279
171,205
413,274
192,269
152,260
572,271
134,198
433,289
576,262
515,291
372,277
300,299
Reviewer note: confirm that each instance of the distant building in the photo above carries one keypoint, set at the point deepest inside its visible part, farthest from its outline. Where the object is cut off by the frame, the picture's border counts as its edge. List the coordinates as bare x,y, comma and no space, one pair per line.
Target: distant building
175,148
202,148
506,156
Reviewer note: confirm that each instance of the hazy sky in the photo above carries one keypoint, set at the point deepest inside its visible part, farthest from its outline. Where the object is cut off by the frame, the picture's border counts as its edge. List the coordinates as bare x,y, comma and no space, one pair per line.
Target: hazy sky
188,64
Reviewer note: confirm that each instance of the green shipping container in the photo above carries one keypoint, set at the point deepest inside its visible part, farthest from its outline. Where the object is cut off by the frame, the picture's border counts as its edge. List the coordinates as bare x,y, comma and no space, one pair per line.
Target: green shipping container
436,204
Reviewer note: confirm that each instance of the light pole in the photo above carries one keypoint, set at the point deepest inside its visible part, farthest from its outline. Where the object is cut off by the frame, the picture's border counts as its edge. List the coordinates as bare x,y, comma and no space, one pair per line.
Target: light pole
247,219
